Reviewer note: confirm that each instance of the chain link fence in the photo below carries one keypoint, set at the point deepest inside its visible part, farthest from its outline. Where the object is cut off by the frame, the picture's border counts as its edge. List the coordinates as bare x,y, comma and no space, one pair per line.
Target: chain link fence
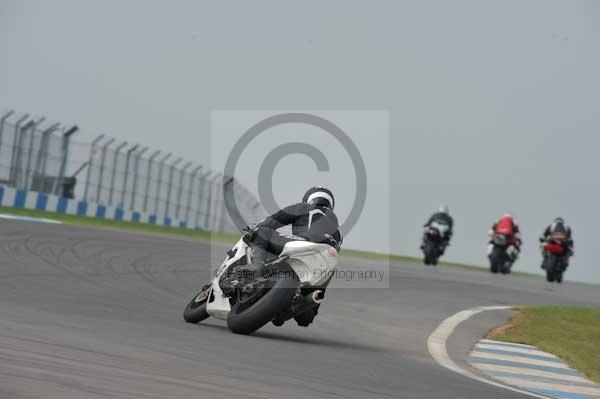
36,155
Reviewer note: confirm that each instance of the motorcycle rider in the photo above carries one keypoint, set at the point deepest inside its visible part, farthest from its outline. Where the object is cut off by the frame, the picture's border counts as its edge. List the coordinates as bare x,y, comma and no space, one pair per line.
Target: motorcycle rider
312,220
558,226
507,225
442,216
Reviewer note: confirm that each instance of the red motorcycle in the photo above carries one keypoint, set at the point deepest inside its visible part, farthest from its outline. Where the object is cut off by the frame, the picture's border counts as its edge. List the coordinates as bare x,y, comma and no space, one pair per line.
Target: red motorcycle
556,256
502,252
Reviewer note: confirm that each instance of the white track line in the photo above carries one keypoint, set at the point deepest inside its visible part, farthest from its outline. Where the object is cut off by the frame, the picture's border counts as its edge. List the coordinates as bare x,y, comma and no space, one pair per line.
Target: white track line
525,351
519,359
436,344
28,218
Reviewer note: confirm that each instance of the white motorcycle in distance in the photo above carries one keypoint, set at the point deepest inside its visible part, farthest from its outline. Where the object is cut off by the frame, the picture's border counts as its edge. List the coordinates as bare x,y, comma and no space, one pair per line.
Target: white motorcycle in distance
433,242
290,286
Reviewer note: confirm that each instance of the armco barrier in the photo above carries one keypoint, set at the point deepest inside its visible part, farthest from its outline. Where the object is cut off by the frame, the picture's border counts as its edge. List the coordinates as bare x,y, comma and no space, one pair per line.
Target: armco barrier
25,199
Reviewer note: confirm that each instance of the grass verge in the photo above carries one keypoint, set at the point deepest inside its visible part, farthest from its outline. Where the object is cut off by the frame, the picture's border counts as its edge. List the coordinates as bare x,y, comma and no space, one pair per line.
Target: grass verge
573,334
145,227
206,235
353,253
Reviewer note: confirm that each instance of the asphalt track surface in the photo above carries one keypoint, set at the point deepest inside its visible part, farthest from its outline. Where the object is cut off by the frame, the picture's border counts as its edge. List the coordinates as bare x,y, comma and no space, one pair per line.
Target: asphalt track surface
89,313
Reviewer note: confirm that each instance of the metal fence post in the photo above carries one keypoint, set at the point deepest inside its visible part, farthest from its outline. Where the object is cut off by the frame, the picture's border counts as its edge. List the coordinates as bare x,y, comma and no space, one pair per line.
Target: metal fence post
19,170
40,163
58,183
14,149
90,166
149,179
114,172
101,171
34,128
190,192
159,182
2,120
127,157
136,166
170,184
181,175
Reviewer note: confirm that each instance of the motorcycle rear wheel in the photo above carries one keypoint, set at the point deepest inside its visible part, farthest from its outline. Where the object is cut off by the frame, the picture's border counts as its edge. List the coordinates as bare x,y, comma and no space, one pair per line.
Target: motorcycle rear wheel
247,318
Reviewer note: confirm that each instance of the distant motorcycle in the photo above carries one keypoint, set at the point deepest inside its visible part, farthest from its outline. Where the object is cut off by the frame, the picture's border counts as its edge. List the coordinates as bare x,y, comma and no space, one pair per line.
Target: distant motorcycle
501,255
433,242
290,286
555,257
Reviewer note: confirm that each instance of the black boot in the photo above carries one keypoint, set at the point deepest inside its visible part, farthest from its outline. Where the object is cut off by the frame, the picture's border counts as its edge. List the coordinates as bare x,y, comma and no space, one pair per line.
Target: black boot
259,259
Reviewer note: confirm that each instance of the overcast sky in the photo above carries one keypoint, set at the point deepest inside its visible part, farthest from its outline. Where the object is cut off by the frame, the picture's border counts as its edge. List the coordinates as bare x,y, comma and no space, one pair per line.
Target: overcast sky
493,106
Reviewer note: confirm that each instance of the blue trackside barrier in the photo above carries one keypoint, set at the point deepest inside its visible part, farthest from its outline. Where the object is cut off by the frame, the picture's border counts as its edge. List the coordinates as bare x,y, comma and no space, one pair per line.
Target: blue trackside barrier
25,199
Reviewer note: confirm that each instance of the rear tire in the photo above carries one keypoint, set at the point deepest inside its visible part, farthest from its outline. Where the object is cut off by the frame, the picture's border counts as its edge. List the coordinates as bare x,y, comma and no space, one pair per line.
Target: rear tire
246,320
195,312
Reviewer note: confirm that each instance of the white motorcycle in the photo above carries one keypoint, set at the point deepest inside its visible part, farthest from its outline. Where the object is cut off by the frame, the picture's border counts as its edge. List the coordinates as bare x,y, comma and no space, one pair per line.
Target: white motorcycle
433,242
290,286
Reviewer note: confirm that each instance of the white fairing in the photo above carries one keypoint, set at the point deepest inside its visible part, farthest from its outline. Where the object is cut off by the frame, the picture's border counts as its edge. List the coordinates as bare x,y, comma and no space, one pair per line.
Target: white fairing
313,263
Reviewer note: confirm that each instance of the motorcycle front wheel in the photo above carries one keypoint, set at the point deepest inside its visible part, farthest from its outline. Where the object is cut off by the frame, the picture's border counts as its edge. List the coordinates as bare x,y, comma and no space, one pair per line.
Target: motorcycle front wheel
497,259
430,253
247,317
195,311
550,266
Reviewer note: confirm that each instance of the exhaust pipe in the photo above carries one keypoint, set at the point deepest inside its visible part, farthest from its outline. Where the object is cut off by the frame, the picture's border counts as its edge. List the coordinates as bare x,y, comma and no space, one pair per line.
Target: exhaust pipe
315,297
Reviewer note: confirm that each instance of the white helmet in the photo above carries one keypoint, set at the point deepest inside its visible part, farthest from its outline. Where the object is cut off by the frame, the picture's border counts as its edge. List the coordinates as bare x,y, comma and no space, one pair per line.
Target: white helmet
319,196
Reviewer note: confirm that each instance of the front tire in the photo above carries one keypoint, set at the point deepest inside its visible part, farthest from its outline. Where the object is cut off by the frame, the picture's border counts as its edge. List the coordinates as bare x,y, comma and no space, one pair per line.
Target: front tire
244,319
497,260
430,252
551,274
195,311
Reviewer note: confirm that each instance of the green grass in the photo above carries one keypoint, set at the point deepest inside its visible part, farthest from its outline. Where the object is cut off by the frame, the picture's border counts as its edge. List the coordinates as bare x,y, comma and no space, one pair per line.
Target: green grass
206,235
353,253
145,227
573,334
